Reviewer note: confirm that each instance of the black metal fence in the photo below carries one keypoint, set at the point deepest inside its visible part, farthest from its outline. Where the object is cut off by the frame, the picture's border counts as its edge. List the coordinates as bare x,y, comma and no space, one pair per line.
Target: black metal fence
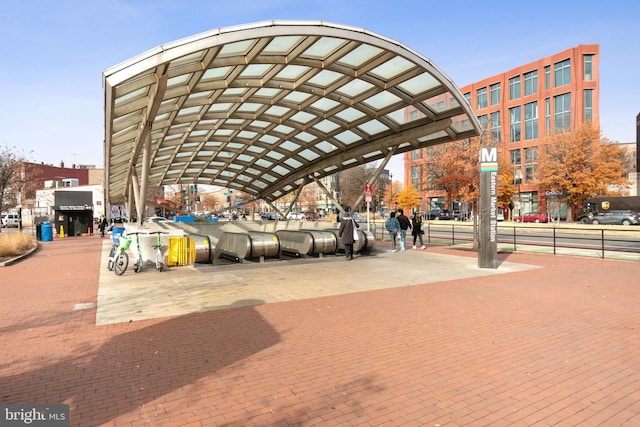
514,237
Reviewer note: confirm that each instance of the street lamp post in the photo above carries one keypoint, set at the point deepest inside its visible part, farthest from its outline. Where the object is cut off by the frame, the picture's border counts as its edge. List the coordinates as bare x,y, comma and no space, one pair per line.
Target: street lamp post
518,180
391,191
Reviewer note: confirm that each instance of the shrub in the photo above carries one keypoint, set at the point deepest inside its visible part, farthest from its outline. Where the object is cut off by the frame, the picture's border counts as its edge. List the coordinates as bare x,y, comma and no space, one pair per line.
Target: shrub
14,244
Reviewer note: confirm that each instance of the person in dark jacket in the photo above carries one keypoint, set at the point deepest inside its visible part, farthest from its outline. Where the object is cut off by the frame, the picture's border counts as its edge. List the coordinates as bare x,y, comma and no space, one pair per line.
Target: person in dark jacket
416,230
102,225
346,234
405,224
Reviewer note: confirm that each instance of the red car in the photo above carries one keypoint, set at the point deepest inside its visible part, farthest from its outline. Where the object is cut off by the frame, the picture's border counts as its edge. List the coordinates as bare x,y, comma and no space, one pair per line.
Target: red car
531,217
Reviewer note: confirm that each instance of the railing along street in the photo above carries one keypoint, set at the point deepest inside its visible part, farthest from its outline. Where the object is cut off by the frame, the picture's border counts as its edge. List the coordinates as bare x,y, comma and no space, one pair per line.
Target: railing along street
598,239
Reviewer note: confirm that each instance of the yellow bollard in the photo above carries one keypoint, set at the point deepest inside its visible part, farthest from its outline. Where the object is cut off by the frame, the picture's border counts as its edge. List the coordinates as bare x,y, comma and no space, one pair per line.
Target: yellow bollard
61,231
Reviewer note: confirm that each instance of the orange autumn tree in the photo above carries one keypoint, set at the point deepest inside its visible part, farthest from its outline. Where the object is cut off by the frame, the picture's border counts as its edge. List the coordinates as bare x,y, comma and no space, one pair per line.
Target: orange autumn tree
457,171
581,164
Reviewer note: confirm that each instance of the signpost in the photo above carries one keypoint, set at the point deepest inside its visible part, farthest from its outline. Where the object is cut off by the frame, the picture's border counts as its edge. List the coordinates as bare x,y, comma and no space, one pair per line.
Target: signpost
488,231
367,194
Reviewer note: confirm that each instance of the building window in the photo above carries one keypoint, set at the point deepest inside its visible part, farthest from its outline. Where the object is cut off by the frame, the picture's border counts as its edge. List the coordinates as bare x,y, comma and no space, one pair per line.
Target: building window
516,160
495,126
414,176
431,177
481,95
413,115
430,152
562,112
588,67
531,120
467,96
415,154
547,116
547,77
531,83
483,121
588,105
514,124
514,88
495,94
530,163
562,73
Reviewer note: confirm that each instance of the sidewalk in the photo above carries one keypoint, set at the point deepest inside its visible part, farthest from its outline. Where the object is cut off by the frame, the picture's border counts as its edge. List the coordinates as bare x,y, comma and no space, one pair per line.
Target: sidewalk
409,338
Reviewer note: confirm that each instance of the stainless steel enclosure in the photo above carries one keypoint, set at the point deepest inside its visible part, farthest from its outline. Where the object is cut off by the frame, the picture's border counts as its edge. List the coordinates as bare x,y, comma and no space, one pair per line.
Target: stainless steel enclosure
202,248
240,246
307,242
365,243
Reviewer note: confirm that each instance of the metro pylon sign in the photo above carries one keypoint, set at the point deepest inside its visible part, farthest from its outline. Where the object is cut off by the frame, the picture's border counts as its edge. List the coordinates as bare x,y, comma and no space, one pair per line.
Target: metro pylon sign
488,229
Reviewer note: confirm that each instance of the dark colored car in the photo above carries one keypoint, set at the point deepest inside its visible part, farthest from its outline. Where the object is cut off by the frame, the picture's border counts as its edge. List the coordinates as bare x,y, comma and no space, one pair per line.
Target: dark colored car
616,217
269,216
459,216
445,214
438,214
536,217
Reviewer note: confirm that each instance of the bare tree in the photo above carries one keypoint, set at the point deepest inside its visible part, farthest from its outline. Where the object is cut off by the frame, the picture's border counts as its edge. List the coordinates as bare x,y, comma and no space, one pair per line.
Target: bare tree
11,179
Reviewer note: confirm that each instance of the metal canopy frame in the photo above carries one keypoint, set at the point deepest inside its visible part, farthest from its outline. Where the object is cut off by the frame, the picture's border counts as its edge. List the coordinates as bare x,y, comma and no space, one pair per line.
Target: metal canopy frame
268,107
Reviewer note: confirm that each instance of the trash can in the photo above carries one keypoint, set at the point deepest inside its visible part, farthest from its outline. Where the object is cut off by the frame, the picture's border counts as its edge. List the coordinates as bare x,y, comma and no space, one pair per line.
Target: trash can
39,231
47,231
116,232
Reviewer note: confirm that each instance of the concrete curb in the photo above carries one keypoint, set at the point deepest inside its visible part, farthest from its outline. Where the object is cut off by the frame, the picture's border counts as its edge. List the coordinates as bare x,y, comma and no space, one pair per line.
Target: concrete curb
11,261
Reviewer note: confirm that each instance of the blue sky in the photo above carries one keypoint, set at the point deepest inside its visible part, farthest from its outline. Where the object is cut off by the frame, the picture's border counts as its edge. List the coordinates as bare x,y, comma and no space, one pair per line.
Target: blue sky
54,52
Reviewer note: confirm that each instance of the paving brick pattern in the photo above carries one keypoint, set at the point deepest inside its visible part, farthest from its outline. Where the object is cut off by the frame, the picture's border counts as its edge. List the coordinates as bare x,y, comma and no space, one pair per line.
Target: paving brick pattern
554,346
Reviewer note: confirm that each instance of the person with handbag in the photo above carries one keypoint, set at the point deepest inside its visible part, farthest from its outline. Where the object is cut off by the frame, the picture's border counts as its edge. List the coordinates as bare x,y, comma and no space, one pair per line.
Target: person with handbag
348,233
416,230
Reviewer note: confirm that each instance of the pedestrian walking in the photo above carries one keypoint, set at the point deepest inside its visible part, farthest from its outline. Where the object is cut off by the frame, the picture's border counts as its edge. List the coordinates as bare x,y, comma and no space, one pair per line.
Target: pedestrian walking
102,225
405,224
393,227
348,232
416,230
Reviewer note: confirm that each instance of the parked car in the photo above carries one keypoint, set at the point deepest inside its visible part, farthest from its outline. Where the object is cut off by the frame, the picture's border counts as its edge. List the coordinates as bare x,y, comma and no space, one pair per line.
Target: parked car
269,216
459,216
295,215
10,220
358,218
531,217
438,214
624,217
445,214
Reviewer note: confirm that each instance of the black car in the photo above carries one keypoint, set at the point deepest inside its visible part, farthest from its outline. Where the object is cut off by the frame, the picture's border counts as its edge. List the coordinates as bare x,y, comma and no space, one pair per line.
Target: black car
438,214
445,214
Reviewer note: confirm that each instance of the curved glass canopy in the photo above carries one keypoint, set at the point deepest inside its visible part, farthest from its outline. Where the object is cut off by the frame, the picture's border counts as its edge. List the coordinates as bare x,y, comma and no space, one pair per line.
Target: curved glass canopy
268,107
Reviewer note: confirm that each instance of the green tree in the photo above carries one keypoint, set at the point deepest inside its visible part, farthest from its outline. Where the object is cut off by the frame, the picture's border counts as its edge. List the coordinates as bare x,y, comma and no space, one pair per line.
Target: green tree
581,164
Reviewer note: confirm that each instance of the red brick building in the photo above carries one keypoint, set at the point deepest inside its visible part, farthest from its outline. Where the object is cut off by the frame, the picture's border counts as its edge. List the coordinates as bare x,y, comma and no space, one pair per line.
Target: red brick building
520,107
37,174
